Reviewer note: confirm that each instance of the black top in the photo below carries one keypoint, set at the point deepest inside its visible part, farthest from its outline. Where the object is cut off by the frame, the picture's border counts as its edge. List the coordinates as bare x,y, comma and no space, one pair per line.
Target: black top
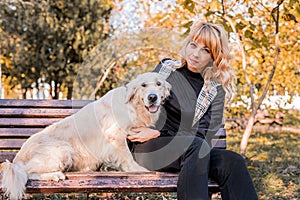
178,111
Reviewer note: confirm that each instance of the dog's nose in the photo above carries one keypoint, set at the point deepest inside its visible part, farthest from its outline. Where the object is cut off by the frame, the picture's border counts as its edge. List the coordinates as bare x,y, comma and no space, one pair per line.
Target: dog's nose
152,98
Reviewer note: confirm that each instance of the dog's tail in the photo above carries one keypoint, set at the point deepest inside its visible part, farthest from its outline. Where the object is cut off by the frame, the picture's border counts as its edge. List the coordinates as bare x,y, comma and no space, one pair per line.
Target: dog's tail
14,180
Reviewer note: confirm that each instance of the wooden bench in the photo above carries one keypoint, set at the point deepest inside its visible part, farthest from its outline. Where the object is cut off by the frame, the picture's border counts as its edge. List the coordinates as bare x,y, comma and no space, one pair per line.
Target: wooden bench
19,119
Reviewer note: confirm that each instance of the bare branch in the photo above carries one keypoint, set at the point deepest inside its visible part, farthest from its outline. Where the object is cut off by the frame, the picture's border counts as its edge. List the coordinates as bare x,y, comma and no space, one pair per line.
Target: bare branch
276,21
244,62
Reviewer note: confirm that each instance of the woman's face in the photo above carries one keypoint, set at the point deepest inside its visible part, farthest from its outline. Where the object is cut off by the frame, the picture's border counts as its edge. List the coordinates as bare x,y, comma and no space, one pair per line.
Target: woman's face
197,56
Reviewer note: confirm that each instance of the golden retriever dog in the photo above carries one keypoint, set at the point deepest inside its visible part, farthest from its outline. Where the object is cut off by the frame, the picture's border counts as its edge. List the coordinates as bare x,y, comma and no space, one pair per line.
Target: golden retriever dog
95,134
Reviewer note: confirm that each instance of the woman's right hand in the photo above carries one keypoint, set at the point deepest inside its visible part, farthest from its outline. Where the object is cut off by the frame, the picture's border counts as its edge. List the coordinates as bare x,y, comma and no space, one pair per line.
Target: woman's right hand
143,134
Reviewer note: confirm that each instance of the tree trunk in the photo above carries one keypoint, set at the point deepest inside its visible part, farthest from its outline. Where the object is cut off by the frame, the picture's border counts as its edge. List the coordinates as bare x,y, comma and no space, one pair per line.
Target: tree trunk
247,133
24,93
70,91
56,90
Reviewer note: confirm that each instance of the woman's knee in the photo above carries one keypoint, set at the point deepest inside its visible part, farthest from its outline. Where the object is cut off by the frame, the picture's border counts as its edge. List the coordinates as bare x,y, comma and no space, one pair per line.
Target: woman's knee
226,160
233,157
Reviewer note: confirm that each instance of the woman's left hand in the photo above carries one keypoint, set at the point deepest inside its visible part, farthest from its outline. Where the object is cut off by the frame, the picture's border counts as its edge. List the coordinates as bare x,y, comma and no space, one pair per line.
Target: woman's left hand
143,134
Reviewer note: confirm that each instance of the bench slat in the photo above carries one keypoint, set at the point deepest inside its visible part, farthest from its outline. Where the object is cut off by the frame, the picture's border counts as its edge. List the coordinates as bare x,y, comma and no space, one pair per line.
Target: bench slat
36,112
7,155
110,182
221,144
7,144
18,132
221,133
26,132
27,103
27,122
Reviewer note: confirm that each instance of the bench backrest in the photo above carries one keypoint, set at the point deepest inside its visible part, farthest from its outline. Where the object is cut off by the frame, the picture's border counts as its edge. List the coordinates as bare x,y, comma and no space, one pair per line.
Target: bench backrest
20,118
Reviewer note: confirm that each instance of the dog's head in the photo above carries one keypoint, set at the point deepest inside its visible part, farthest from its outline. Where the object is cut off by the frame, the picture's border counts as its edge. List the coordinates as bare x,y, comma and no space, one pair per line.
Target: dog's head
150,89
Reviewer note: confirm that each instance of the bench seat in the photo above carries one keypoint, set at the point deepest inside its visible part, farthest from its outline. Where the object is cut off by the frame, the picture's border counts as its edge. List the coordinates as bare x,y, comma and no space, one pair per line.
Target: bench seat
19,119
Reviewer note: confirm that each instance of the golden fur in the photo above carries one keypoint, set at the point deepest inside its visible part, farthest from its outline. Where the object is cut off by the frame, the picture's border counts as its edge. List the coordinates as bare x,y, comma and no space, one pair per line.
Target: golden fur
95,134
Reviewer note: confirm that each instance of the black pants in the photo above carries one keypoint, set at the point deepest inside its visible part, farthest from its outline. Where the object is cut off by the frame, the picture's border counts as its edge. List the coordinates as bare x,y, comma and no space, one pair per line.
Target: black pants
196,161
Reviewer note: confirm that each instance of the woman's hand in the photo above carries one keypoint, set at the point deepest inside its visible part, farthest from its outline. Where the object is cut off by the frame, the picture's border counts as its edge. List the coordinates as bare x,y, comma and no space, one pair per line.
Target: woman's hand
143,134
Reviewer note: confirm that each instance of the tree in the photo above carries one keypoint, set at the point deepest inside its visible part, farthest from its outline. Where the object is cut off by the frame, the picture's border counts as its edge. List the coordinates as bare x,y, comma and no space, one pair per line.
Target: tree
16,26
265,49
54,36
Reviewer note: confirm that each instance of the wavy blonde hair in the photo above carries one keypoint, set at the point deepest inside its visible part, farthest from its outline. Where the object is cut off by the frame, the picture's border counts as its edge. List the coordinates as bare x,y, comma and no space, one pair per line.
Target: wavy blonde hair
214,37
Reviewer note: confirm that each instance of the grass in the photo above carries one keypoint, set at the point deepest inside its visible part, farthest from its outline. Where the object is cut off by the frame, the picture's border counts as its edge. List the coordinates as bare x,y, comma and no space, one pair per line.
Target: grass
273,159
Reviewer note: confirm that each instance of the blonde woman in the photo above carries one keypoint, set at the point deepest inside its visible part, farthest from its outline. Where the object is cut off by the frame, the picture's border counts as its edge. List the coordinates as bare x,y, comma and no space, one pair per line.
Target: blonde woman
180,141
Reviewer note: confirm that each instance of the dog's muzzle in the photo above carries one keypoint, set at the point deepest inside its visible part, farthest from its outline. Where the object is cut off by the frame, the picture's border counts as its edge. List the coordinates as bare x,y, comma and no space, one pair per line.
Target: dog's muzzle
153,104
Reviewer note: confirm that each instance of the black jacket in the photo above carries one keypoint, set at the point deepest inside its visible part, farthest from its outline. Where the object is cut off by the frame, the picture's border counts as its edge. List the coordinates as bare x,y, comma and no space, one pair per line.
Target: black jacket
178,111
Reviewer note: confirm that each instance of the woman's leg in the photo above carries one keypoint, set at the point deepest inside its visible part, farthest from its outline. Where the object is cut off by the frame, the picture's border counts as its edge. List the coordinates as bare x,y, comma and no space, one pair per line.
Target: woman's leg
229,170
189,155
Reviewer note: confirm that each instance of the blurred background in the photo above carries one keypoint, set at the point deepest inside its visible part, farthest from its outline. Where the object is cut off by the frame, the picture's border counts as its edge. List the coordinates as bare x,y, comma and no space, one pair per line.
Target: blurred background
80,49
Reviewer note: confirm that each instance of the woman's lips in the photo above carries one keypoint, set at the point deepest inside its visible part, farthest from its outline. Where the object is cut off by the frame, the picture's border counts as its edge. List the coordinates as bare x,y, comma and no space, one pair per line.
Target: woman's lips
193,61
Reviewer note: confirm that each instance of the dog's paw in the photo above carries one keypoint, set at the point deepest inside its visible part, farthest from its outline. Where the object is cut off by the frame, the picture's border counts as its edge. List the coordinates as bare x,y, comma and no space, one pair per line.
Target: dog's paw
135,168
58,176
142,169
51,176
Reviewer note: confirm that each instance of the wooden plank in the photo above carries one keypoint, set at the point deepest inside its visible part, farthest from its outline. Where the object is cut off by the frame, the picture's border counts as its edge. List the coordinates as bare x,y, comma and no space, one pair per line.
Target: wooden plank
15,144
18,132
9,144
119,174
27,122
27,103
110,182
7,155
26,132
216,143
36,112
221,133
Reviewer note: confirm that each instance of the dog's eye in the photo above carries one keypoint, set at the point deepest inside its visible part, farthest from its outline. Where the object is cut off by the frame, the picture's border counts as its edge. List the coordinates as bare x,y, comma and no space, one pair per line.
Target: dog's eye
143,85
158,83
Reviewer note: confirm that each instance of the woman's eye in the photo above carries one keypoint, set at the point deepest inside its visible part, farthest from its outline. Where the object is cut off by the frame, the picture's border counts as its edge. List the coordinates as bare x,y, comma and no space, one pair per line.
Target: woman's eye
205,50
158,83
193,44
143,85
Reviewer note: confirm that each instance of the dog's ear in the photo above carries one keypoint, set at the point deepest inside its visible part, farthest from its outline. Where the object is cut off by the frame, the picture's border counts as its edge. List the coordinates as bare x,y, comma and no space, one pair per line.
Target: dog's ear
131,88
167,87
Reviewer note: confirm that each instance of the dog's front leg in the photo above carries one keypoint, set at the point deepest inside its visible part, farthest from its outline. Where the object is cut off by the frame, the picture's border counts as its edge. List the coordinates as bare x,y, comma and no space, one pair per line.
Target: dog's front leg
127,162
129,165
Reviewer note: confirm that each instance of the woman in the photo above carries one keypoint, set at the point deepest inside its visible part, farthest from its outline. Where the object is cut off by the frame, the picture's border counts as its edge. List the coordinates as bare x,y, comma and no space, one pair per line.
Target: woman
180,141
